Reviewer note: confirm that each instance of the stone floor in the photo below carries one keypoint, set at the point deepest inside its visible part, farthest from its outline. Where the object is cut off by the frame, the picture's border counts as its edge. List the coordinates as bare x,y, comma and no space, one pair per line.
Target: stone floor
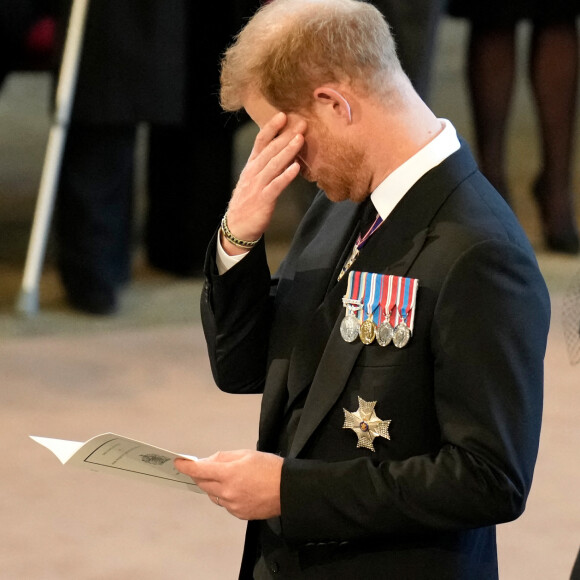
144,373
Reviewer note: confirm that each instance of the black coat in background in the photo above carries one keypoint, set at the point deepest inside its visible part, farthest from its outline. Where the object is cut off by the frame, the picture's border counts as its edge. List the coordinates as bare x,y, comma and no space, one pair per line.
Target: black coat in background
133,63
17,17
415,24
499,13
153,61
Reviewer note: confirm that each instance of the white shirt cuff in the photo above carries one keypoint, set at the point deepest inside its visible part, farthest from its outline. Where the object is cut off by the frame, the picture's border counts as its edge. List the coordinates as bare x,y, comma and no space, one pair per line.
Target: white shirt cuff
224,261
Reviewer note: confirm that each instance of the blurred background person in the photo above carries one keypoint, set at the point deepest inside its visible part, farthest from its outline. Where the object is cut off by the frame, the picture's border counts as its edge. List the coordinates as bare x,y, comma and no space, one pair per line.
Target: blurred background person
27,29
153,61
415,24
553,73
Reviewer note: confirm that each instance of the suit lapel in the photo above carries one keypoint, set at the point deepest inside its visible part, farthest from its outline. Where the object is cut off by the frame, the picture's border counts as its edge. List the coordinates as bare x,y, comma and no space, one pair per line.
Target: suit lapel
391,250
308,350
339,357
304,279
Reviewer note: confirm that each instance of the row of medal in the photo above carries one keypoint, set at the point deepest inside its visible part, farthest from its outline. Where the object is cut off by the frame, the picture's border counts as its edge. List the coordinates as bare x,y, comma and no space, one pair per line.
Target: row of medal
379,307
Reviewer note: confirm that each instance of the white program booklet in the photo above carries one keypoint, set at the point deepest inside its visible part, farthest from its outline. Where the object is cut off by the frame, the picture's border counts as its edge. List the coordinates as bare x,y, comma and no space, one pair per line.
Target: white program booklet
122,456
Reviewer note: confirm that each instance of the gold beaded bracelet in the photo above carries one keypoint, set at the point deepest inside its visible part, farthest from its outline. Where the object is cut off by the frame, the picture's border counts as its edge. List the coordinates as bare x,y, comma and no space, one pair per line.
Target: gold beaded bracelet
231,238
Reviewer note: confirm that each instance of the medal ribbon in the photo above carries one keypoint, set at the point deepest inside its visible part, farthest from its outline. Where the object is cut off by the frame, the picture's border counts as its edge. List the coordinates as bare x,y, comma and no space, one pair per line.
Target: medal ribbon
365,290
348,300
381,300
381,297
360,242
372,299
389,298
406,298
413,297
354,292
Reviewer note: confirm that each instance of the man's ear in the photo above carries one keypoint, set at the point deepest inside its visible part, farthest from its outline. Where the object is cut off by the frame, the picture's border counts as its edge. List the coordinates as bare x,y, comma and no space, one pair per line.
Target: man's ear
331,97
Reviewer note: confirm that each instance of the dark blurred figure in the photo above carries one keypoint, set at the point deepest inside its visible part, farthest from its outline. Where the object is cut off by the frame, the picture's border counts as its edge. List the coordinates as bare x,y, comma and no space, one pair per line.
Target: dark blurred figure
415,24
190,164
27,29
553,72
152,61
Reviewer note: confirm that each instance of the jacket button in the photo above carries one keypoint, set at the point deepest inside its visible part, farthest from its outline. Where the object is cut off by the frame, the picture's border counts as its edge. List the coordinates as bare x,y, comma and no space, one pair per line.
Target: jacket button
274,567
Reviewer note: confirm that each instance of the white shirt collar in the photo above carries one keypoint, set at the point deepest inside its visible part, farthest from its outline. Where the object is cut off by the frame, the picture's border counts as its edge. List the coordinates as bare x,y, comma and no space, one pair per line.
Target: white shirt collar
394,187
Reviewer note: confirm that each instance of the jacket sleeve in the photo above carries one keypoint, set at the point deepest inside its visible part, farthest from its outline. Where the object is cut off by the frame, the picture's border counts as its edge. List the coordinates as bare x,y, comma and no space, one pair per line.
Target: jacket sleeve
235,314
488,340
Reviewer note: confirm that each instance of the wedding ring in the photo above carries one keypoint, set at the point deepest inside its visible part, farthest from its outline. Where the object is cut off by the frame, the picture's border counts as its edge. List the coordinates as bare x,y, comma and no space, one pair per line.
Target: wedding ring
217,501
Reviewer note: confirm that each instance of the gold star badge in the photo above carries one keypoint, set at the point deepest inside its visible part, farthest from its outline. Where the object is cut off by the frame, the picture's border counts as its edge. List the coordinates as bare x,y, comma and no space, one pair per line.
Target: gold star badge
365,423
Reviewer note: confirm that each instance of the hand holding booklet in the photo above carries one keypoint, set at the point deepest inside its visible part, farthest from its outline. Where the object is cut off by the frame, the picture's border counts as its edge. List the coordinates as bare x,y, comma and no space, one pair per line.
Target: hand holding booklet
122,456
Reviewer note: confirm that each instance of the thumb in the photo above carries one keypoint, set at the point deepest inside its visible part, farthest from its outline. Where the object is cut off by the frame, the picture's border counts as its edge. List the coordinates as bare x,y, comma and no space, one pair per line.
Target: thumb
228,456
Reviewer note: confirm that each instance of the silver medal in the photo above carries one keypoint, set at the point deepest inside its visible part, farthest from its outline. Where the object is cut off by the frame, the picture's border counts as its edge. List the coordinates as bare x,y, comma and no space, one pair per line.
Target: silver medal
402,335
349,327
385,333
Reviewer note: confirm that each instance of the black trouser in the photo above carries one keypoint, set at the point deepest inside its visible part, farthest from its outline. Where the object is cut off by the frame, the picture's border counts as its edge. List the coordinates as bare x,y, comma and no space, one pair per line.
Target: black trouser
190,184
93,218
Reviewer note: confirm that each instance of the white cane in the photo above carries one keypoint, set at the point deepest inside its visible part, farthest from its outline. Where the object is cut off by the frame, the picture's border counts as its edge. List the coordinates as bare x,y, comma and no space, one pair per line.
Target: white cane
28,297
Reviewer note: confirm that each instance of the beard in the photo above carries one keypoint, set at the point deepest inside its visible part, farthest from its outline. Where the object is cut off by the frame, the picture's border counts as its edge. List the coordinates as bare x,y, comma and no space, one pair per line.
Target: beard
342,172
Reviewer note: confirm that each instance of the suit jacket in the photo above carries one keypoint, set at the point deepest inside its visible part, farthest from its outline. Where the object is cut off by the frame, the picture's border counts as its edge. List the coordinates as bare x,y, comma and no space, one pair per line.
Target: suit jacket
464,396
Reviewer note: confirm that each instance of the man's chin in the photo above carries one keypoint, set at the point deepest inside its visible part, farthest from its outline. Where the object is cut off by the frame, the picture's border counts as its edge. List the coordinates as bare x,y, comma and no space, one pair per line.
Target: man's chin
333,195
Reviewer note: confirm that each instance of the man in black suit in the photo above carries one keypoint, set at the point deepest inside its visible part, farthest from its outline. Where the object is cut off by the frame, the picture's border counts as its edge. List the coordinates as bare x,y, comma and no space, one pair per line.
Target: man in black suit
383,452
143,61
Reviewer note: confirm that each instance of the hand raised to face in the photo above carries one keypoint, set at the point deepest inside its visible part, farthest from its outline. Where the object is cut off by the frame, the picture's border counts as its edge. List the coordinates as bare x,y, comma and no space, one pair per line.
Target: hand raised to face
270,168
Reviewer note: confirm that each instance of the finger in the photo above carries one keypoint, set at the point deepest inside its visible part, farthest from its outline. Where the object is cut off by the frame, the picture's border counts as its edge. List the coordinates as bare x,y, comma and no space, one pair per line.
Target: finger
220,501
271,163
202,472
213,490
285,158
268,132
284,140
227,456
287,143
282,181
191,468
